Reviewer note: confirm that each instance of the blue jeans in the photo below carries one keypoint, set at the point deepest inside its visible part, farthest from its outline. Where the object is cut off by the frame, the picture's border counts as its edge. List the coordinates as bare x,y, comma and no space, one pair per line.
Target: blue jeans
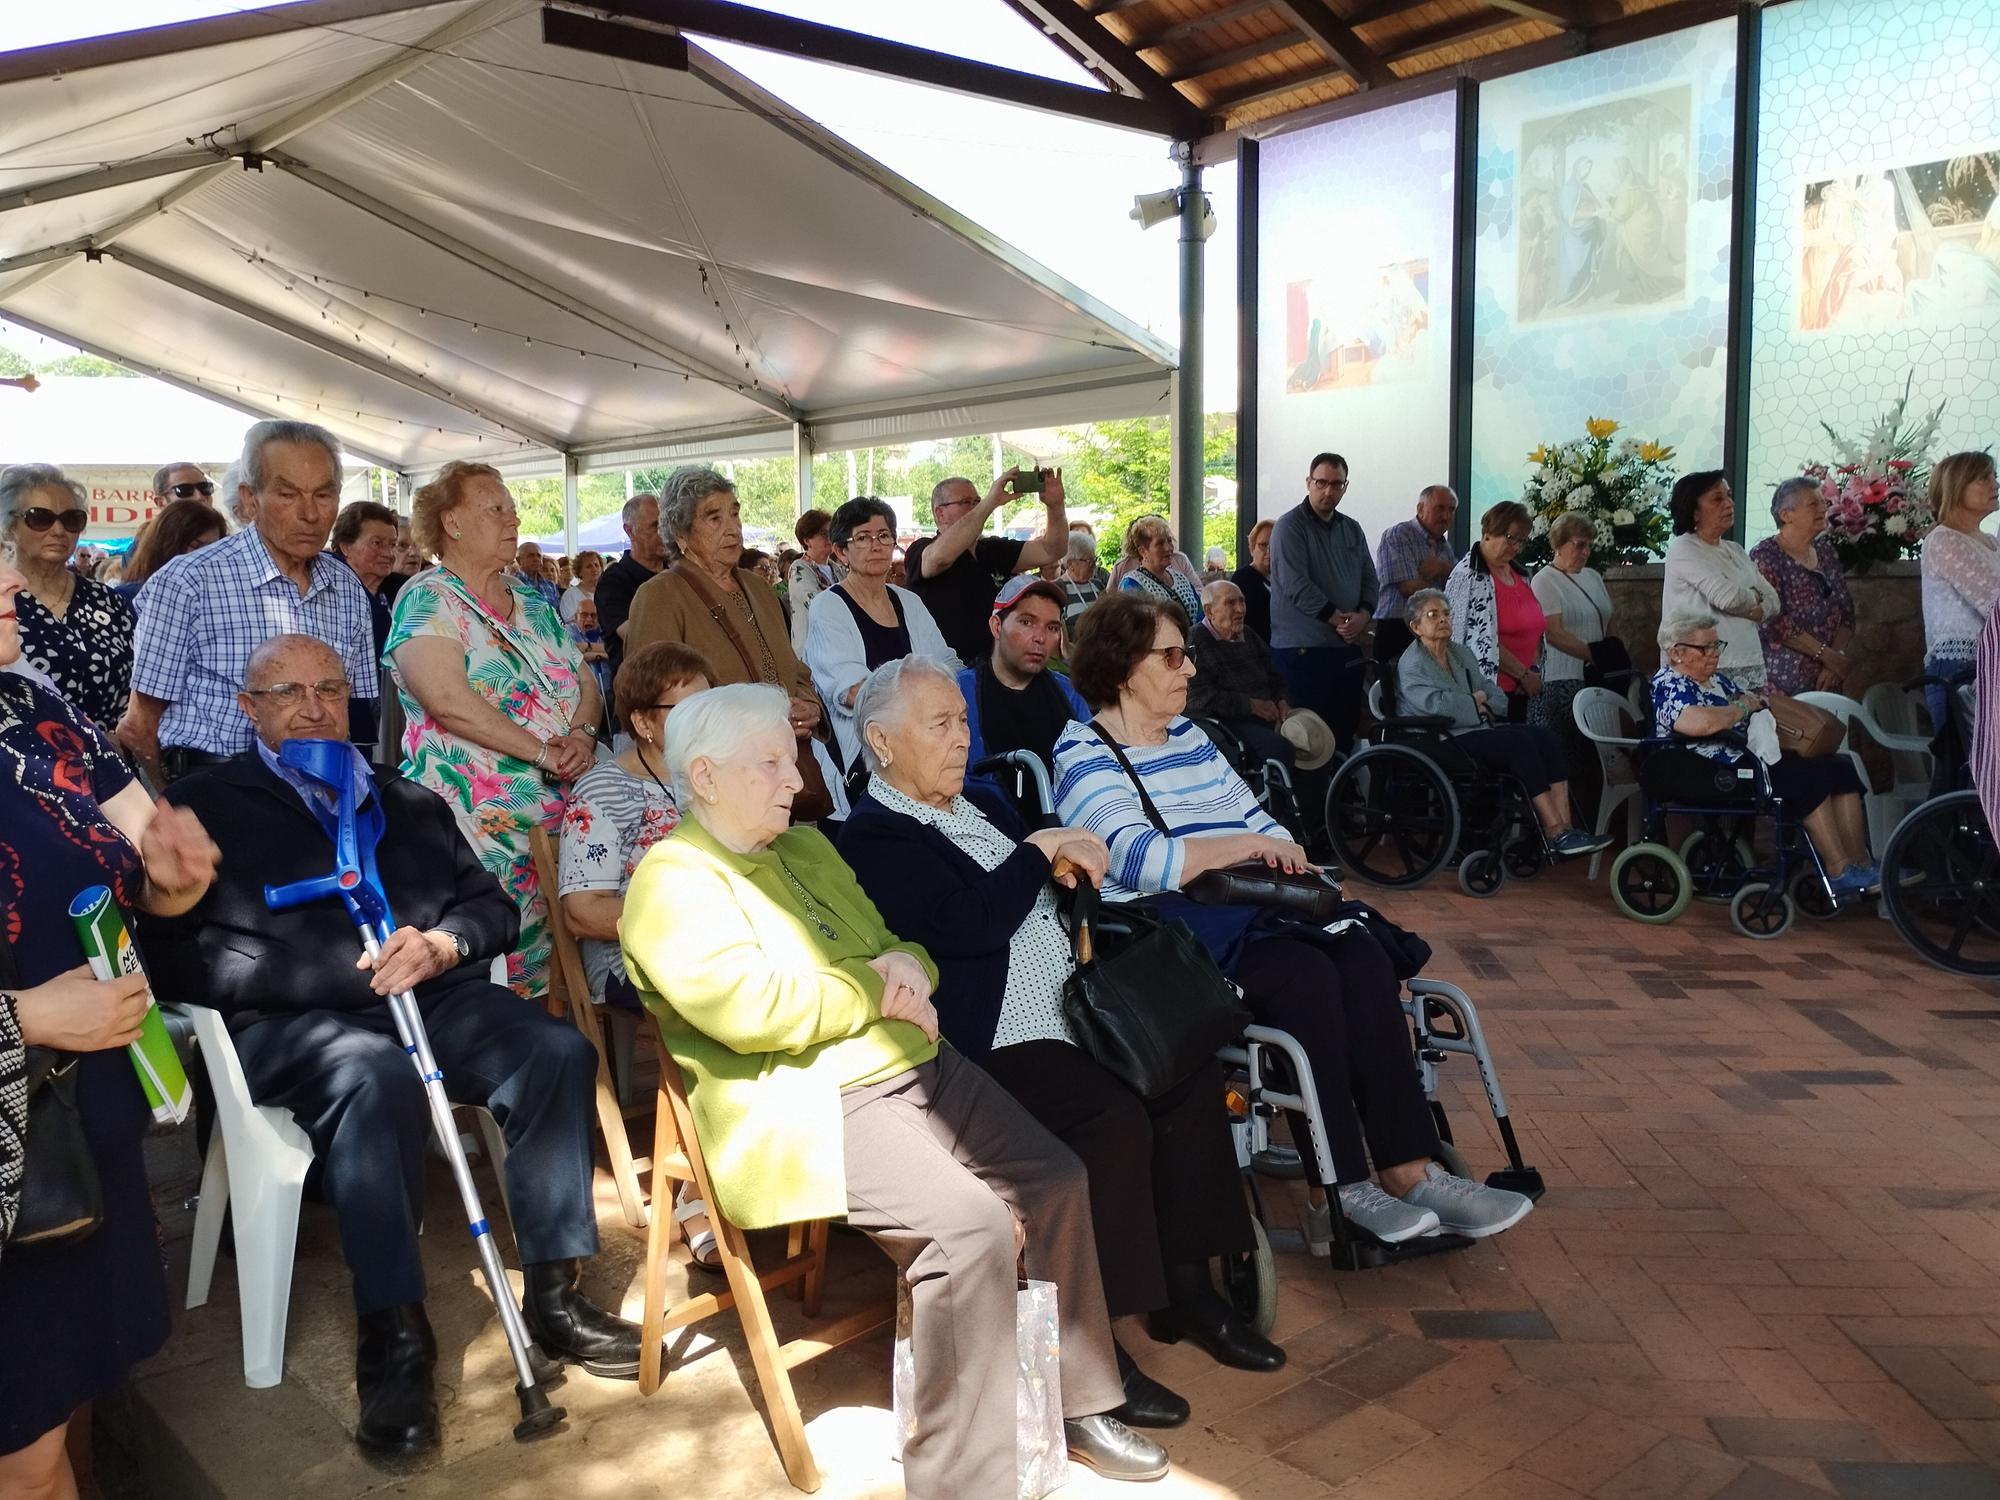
1937,696
1327,680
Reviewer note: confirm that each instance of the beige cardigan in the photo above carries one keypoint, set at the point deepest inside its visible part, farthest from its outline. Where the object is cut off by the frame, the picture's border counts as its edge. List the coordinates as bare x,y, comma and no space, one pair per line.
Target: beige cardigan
668,608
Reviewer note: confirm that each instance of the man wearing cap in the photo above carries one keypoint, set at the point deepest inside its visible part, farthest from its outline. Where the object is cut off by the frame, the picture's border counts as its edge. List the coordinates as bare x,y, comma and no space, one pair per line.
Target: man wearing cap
1238,684
1012,700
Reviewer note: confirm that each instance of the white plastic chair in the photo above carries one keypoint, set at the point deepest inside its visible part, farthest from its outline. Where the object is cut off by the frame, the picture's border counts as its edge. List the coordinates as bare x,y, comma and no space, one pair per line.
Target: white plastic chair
1885,809
1601,715
258,1156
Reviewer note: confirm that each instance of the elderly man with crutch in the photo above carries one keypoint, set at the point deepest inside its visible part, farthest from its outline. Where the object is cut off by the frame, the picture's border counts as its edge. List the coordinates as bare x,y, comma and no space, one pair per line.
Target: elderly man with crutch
318,849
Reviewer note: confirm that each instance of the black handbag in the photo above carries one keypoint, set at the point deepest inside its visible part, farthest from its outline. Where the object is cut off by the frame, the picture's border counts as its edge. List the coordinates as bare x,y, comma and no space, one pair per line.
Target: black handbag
1155,1010
1407,952
61,1197
1610,664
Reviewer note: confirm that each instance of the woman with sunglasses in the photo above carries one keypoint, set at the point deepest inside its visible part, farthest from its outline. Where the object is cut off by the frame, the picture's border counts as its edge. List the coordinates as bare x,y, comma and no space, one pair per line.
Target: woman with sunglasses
74,630
1333,989
1495,614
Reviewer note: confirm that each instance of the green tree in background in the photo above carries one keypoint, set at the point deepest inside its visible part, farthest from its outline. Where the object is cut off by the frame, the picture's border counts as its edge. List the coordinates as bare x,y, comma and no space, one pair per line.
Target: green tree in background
1121,470
86,364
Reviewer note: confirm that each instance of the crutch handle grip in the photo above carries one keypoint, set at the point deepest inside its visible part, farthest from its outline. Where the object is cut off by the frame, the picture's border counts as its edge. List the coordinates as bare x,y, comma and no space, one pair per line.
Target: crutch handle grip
299,892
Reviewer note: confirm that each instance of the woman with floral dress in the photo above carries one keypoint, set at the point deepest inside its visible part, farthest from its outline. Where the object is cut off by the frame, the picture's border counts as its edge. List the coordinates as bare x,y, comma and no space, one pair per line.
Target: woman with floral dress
501,713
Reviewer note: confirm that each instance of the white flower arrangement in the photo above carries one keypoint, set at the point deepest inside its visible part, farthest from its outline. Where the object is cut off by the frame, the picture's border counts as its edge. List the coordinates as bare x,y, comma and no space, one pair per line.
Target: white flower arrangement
1621,488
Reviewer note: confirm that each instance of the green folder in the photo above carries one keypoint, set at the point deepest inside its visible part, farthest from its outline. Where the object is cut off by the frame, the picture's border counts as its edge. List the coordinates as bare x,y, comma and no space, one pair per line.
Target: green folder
108,946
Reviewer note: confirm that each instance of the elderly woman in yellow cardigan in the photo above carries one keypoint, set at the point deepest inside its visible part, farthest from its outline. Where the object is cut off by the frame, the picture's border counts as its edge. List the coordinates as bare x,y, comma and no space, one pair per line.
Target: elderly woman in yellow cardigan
805,1032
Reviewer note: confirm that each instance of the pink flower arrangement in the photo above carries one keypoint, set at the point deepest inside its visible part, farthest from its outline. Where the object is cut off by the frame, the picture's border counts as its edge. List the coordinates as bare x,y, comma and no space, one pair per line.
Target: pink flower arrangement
1877,506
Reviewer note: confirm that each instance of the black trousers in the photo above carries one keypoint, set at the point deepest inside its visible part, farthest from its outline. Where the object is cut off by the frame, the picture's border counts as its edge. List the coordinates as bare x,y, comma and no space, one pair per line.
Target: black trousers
1327,680
353,1090
1392,637
1338,996
1528,752
1164,1185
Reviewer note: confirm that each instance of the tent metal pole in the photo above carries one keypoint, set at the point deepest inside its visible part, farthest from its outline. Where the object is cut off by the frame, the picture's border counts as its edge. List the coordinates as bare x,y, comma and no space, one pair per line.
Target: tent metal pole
802,466
1188,434
569,504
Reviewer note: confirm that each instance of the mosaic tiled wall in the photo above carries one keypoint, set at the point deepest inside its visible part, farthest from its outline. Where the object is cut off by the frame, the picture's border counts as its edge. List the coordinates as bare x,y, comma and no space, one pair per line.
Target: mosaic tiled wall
1354,306
1601,281
1877,226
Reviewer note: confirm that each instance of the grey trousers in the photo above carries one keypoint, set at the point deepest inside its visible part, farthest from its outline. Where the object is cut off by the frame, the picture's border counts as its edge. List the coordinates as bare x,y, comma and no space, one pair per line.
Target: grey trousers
941,1160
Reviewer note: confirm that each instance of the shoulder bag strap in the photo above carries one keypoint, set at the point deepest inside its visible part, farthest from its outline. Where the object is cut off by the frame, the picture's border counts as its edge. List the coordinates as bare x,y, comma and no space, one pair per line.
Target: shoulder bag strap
1146,802
720,615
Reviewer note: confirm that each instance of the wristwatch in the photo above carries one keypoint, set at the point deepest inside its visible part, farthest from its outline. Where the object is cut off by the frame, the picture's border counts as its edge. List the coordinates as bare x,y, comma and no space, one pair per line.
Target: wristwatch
458,941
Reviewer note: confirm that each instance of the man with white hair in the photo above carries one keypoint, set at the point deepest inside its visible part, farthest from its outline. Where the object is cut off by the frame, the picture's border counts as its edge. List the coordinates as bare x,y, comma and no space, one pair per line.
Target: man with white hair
200,620
313,1031
1237,681
645,555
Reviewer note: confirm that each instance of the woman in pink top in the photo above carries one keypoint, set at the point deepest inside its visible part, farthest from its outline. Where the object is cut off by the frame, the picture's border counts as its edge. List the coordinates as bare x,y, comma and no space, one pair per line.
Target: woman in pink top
1495,614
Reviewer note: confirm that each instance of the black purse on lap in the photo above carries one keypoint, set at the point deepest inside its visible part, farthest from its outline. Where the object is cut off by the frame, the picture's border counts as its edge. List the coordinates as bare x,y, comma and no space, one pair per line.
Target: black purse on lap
61,1198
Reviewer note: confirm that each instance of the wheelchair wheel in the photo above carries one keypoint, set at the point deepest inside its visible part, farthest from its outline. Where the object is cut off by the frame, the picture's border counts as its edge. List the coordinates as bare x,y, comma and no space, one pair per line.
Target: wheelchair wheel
1810,896
1650,884
1481,873
1941,884
1716,862
1760,910
1453,1161
1522,854
1250,1280
1391,817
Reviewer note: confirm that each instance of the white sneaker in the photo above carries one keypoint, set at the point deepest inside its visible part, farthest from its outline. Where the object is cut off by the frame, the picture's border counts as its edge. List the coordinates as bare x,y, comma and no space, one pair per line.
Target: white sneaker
1391,1220
1465,1207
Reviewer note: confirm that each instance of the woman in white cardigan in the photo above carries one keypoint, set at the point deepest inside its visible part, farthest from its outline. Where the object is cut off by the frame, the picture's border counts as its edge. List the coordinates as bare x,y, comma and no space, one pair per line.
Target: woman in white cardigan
864,620
1961,569
1707,573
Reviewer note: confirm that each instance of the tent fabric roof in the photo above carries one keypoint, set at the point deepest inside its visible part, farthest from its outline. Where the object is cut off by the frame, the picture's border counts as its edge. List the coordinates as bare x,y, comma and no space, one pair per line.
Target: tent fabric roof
450,240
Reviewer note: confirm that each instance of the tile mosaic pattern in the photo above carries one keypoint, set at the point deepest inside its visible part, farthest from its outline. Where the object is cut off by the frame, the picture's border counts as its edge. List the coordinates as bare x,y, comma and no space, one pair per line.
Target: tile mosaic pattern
1658,368
1860,85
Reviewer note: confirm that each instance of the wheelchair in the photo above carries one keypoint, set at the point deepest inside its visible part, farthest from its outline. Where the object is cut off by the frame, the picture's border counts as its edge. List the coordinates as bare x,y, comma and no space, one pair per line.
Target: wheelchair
1409,801
1267,1073
1653,881
1273,783
1941,867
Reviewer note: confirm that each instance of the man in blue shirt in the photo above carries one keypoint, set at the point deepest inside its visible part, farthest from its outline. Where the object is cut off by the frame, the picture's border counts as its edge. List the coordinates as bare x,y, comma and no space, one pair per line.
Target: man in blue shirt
1323,591
1012,700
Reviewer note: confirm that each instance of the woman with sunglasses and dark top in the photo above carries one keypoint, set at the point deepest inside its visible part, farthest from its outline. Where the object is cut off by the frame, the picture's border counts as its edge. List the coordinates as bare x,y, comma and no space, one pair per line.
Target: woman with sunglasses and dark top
181,527
74,630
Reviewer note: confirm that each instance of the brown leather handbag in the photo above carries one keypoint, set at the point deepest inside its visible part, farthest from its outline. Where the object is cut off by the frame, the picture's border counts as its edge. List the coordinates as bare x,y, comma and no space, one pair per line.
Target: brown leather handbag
814,801
1805,729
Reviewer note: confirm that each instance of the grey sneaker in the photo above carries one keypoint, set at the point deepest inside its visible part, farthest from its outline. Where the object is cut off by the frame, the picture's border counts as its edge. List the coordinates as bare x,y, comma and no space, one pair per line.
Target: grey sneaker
1391,1220
1464,1207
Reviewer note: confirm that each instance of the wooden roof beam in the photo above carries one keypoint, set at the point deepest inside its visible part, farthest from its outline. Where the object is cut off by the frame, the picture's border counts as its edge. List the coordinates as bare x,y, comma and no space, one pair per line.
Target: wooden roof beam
1452,33
1084,34
1273,88
1181,31
1201,67
1571,15
1337,40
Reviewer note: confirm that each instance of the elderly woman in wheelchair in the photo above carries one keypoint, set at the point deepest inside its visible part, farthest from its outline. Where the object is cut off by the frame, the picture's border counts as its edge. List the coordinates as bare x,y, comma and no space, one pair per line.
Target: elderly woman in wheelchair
1439,678
1699,763
1169,808
951,867
806,1034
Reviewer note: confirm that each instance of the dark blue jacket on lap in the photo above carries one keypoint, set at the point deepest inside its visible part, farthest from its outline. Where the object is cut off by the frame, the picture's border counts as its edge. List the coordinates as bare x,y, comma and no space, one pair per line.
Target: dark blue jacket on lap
929,891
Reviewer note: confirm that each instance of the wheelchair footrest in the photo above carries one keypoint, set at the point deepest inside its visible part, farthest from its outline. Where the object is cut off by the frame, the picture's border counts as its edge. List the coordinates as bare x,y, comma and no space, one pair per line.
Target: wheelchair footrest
1527,1181
1361,1251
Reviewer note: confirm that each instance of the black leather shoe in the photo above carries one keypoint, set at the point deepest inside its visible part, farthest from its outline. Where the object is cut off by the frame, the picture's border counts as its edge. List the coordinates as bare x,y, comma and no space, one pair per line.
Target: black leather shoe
395,1357
1147,1402
1114,1450
1196,1311
567,1327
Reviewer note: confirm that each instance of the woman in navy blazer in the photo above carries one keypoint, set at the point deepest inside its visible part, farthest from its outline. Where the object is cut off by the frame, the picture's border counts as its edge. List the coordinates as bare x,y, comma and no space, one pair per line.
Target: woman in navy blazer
951,867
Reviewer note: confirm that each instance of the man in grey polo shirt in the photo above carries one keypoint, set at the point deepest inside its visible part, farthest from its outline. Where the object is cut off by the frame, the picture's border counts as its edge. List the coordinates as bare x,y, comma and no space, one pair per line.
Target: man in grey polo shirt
1323,591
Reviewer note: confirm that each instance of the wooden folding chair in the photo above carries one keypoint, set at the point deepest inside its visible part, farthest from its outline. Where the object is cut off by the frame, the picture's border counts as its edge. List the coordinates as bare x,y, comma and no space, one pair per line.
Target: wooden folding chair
568,980
677,1155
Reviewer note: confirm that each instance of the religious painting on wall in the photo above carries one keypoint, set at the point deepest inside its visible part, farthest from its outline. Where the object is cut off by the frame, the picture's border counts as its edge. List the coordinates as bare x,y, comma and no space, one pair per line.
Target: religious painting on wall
1902,245
1369,330
1603,215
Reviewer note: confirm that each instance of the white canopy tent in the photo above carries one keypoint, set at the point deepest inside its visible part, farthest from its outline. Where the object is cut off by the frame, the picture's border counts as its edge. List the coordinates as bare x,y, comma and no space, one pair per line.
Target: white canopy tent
423,227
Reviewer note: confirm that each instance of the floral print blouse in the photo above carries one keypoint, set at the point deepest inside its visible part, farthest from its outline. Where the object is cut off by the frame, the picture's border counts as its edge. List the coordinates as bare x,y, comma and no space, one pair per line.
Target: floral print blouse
1812,601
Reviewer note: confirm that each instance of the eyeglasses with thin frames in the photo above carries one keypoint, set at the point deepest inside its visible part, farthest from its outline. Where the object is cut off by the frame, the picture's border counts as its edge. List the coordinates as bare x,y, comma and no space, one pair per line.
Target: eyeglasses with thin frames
292,694
872,539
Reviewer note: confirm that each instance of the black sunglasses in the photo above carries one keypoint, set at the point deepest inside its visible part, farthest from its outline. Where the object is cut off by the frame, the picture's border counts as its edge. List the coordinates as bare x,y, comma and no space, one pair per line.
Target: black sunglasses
205,488
41,518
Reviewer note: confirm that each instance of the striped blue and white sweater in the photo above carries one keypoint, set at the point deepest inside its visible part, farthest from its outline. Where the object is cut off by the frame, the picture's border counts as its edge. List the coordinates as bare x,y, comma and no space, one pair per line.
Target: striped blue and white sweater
1192,786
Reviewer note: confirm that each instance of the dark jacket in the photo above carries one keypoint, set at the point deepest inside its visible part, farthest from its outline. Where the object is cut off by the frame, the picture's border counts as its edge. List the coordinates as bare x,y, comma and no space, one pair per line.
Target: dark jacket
929,891
1256,599
1228,674
234,953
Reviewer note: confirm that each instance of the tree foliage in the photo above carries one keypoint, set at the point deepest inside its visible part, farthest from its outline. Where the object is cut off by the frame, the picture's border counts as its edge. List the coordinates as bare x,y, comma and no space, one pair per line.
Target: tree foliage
1122,470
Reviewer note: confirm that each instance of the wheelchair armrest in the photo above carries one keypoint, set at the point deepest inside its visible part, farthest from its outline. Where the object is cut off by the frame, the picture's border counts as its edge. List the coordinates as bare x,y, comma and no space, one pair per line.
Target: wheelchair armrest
1438,722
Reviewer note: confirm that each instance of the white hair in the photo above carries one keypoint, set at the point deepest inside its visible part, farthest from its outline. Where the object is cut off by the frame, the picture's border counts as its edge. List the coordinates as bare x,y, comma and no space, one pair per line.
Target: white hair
1681,624
1424,596
283,430
232,499
1788,494
1217,589
715,724
882,700
1082,547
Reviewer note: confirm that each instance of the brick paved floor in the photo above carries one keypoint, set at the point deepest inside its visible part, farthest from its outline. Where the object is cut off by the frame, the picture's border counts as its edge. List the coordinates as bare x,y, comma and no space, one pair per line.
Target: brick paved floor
1765,1269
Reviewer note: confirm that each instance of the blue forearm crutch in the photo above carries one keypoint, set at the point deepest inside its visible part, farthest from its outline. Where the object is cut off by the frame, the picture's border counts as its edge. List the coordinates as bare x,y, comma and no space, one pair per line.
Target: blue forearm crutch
356,833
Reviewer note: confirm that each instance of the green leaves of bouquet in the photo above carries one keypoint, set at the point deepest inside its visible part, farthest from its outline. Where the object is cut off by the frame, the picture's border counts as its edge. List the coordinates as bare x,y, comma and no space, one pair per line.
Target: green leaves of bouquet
1621,488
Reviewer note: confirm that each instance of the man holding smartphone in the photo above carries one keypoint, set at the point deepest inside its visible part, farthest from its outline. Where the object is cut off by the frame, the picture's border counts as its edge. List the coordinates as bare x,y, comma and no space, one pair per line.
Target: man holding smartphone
958,572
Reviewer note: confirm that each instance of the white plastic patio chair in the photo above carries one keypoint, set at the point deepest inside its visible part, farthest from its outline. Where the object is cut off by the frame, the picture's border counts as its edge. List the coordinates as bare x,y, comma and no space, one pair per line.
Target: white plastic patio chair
1885,809
258,1156
1602,716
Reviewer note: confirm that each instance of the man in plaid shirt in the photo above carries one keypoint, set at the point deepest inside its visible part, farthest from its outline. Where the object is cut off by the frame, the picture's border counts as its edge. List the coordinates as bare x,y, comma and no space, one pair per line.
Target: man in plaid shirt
202,615
1413,554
